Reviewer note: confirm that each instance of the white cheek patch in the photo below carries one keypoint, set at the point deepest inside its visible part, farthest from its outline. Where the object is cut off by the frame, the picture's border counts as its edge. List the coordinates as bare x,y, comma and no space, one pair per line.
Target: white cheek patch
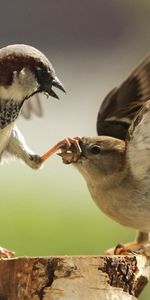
23,85
27,79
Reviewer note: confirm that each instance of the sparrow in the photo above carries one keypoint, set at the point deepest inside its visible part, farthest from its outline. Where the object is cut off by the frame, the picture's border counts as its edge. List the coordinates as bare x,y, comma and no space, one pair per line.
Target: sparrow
25,72
115,163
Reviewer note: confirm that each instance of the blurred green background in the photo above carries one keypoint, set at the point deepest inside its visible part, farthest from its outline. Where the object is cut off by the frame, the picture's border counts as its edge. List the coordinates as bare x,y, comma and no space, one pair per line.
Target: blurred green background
93,46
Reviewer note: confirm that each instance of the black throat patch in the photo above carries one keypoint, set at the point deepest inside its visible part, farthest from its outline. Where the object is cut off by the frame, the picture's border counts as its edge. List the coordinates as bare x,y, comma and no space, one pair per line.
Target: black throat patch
9,111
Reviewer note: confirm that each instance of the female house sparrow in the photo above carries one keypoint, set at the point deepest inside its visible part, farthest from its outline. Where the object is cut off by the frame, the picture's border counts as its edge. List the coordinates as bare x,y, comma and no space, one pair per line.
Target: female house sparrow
115,164
24,72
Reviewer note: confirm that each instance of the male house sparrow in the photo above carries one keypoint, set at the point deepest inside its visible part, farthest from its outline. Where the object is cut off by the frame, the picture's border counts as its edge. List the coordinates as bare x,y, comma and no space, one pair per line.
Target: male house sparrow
116,164
24,72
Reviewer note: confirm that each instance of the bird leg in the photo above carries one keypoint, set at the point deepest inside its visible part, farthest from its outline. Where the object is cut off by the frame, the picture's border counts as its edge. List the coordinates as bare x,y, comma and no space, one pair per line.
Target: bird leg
68,144
17,147
4,253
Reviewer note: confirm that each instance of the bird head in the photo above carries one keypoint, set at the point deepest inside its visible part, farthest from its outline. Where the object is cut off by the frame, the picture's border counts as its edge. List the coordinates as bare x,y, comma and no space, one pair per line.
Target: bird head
99,157
25,71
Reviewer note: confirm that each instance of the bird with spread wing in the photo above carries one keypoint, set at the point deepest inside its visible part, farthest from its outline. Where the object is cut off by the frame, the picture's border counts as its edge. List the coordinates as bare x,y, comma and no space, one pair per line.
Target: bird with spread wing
115,164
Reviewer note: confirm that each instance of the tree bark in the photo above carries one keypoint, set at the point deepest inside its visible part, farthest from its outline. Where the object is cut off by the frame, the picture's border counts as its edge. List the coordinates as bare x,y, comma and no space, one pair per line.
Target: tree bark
73,278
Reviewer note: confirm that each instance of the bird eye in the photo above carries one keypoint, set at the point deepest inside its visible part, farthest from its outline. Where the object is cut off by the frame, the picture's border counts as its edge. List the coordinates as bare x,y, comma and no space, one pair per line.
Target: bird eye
95,149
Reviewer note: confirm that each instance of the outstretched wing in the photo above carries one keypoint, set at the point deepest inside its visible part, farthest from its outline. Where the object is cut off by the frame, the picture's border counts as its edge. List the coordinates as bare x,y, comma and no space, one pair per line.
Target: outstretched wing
32,106
138,143
122,104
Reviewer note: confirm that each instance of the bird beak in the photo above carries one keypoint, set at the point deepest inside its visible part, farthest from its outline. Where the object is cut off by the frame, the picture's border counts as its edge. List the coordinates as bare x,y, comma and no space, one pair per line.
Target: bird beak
56,83
67,157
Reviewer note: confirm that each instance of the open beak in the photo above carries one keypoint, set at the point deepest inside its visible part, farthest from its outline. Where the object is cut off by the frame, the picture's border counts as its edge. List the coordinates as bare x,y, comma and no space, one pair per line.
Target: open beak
56,83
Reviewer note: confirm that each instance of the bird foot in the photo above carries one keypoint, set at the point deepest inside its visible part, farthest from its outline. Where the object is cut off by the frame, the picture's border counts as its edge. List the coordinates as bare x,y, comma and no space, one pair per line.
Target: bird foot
130,249
34,161
4,253
120,249
68,144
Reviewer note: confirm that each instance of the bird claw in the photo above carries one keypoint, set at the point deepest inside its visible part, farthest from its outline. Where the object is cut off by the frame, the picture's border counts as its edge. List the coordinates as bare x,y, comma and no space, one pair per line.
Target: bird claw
120,249
4,253
71,150
130,249
65,145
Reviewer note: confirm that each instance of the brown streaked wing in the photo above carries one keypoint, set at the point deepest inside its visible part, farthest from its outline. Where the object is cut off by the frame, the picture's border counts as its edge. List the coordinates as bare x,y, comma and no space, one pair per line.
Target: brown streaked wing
122,104
32,105
138,143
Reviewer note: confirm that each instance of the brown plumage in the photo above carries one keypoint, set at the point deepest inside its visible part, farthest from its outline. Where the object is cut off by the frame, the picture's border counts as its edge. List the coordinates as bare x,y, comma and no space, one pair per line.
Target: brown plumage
122,104
115,164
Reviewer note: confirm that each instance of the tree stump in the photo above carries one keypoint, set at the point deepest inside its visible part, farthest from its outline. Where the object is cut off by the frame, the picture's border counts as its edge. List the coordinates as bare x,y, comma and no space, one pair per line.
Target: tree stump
73,277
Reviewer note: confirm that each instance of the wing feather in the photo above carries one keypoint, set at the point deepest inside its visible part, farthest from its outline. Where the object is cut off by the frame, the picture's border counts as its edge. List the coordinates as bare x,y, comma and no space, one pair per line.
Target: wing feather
138,143
122,104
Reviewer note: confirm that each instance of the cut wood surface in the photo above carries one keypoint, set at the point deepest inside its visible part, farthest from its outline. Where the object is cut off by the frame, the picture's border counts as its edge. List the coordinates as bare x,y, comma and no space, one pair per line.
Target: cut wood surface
73,277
